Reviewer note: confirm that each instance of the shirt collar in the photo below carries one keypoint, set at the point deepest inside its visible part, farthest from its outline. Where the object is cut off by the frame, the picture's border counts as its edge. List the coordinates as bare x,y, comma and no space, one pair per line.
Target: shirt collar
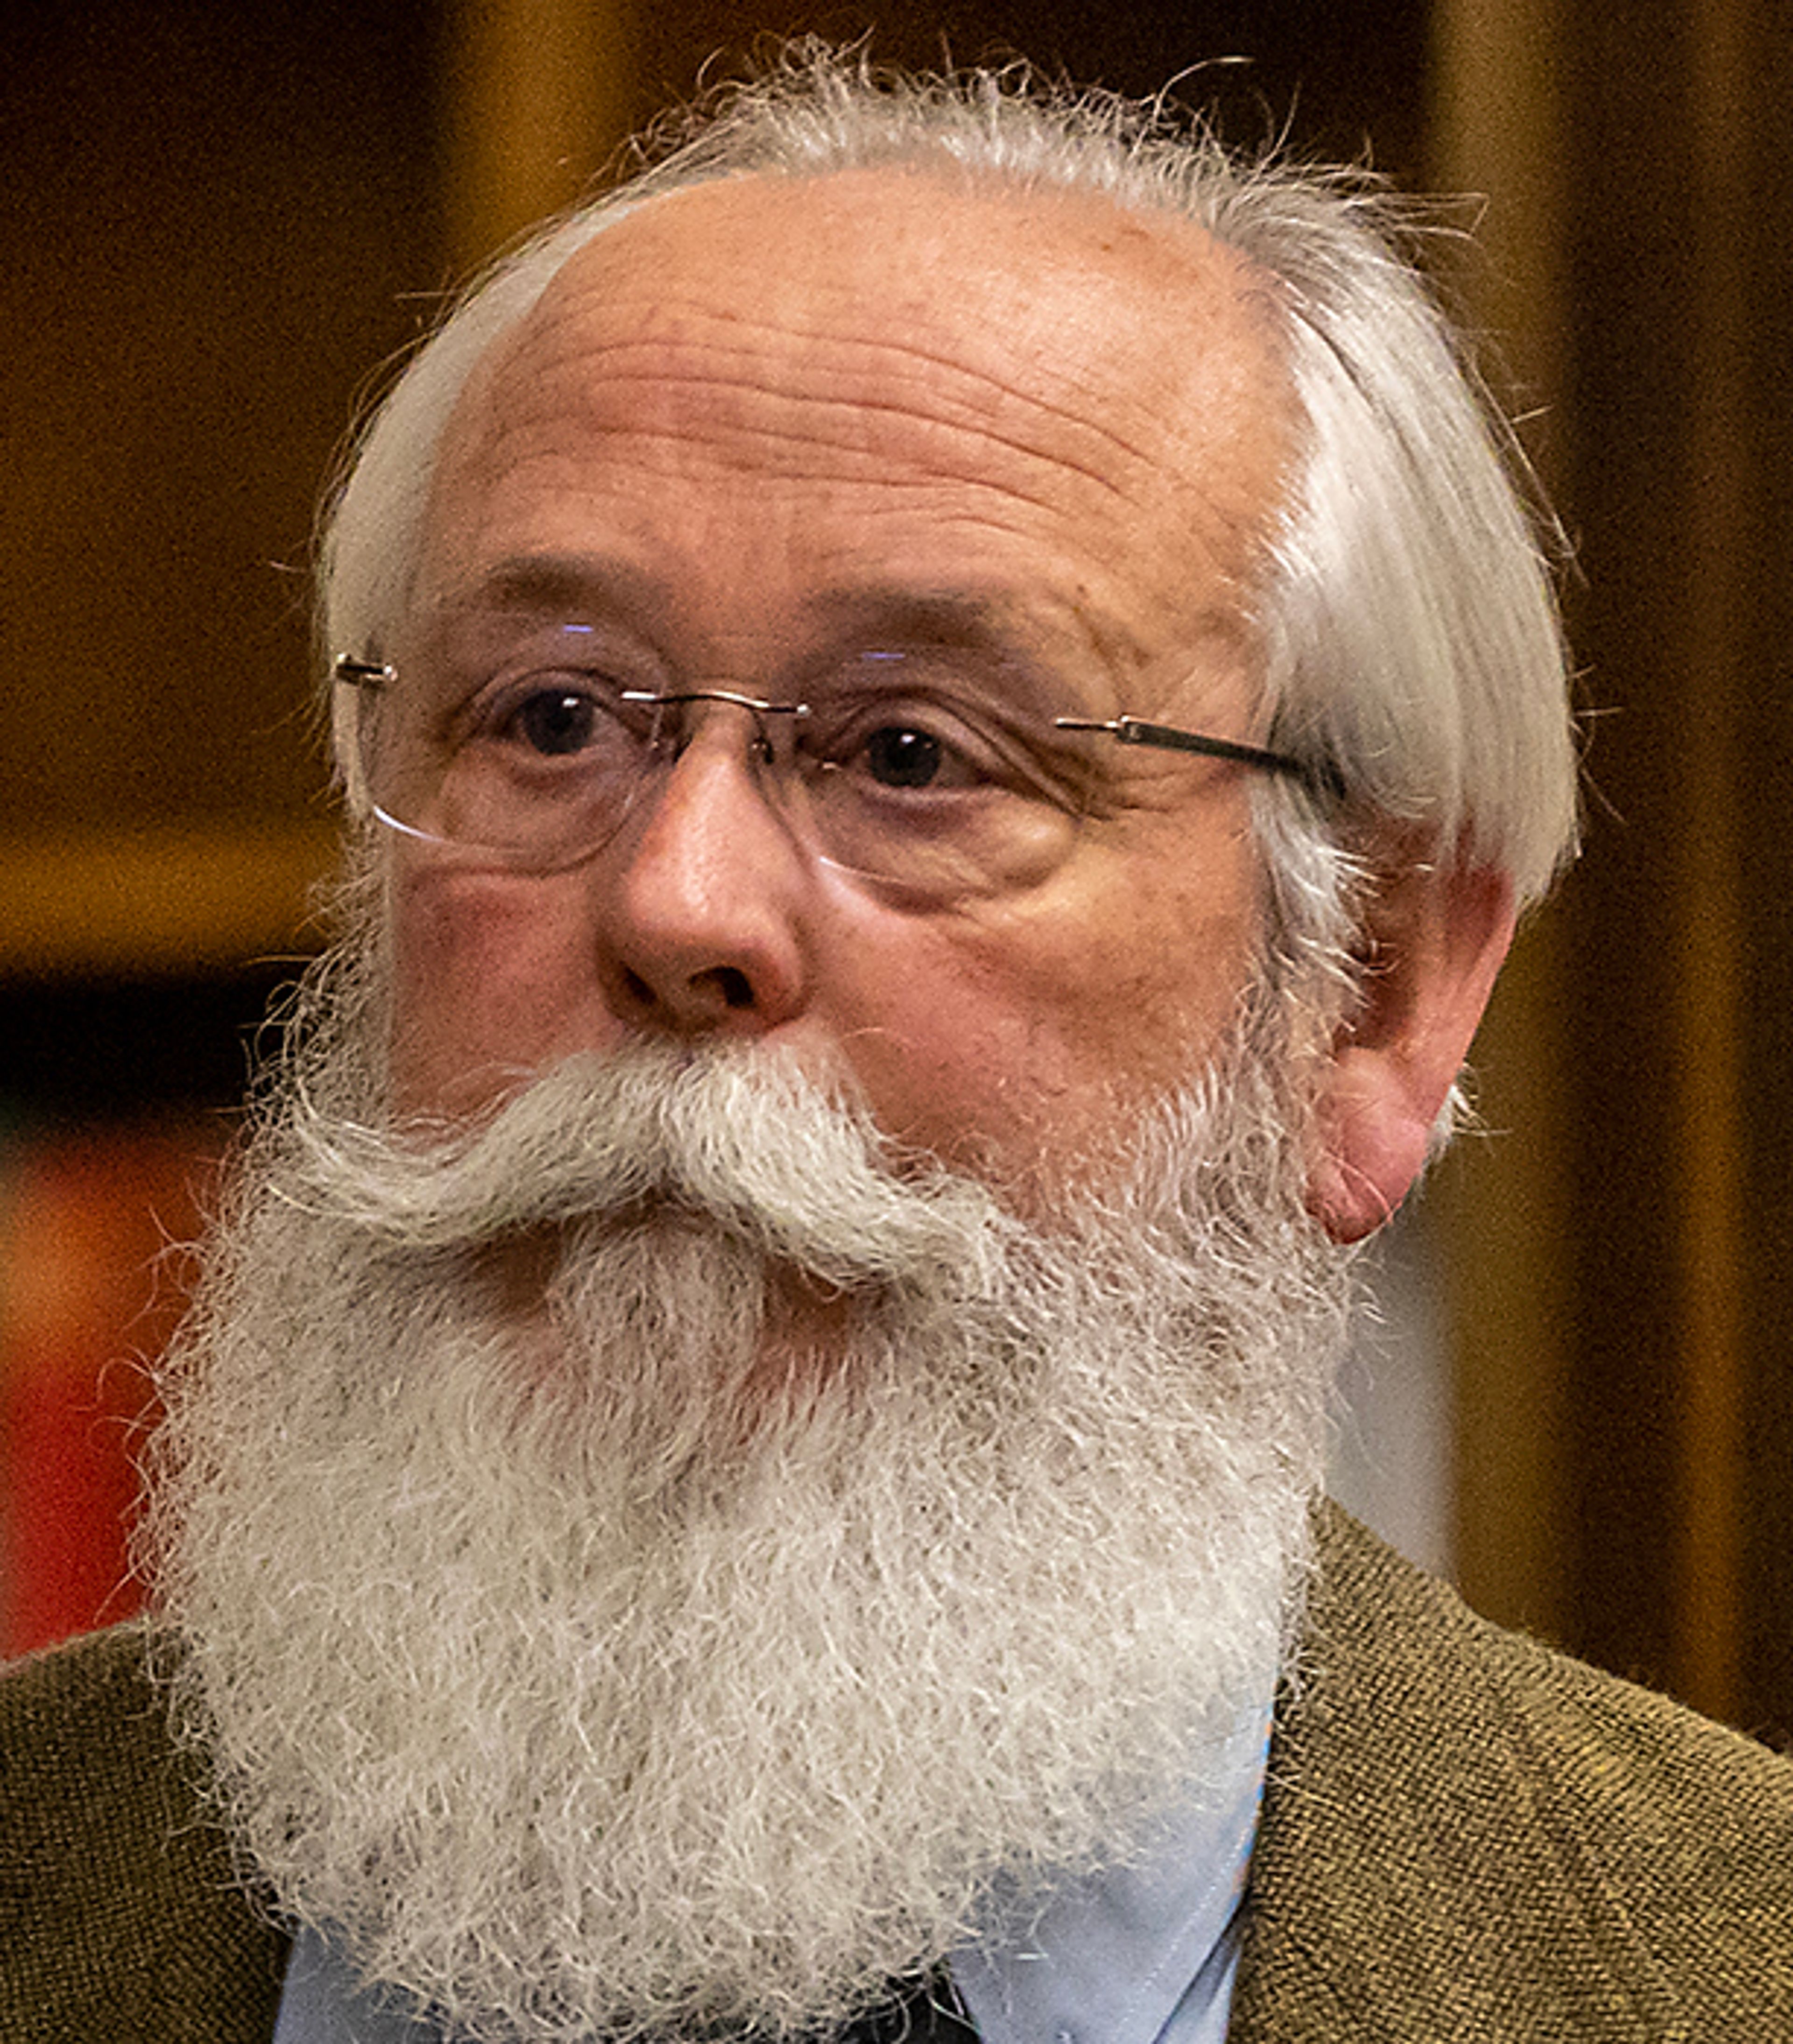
1139,1952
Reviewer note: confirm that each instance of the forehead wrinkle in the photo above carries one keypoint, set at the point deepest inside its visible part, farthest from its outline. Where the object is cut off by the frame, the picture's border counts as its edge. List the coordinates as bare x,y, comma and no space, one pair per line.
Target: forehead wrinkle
939,413
884,357
1129,303
816,433
1110,383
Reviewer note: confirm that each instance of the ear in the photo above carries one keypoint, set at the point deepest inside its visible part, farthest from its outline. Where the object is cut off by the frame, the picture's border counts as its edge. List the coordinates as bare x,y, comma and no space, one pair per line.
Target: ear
1434,939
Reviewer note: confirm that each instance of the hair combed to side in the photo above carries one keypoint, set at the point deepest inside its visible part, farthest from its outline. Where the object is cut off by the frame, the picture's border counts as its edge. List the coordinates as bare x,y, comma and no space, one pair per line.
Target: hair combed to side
1411,645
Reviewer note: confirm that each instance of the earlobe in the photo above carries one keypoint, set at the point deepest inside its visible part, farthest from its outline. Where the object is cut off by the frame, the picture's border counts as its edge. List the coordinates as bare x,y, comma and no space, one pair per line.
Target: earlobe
1435,940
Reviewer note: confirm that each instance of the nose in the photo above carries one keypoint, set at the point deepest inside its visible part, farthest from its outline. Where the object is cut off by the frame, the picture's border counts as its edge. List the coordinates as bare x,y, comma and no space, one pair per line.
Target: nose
704,892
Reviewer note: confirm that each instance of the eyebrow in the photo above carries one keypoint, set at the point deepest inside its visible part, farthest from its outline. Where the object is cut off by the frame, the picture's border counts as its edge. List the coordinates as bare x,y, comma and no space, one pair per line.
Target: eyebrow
972,619
956,616
993,628
553,582
524,581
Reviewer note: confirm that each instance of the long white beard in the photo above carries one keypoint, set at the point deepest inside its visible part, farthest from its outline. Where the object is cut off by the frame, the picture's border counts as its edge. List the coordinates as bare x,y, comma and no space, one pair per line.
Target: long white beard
583,1675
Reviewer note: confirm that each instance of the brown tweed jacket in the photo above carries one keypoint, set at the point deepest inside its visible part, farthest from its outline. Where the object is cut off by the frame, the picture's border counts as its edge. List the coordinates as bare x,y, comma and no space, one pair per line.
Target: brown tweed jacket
1466,1840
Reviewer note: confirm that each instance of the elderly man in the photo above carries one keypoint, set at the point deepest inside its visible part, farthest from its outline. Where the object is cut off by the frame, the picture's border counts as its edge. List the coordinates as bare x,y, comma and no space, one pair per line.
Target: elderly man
951,709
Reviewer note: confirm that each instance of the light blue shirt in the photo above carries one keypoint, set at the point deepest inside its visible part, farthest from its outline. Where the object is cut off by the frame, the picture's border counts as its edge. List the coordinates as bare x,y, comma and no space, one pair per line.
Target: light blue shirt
1142,1954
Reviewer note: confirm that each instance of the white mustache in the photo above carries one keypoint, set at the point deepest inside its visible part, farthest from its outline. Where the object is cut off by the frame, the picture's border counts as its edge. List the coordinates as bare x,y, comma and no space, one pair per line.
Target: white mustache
736,1134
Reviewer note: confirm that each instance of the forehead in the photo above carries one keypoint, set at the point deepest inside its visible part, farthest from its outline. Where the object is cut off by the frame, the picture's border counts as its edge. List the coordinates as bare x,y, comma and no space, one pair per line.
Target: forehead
876,364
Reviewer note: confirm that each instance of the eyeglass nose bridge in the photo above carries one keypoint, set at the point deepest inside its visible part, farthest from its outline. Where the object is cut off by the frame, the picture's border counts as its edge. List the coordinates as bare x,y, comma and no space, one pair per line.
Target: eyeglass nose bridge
757,707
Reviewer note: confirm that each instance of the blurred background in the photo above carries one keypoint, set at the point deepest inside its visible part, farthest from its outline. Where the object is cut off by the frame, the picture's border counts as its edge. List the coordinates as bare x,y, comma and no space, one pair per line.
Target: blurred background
221,221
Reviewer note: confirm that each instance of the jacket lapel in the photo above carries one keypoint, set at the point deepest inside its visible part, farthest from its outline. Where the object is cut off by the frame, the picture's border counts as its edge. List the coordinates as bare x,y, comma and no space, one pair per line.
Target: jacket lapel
1417,1875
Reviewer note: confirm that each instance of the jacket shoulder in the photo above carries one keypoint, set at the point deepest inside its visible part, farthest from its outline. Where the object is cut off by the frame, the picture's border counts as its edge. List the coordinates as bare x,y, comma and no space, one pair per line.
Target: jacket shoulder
120,1913
1466,1835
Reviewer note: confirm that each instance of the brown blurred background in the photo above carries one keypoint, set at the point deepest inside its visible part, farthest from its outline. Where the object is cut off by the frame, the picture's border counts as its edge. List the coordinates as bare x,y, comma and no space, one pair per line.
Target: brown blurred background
219,221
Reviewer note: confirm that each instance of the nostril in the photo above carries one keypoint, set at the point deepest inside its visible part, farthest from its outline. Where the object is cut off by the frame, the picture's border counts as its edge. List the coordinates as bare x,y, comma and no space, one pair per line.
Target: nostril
736,988
706,995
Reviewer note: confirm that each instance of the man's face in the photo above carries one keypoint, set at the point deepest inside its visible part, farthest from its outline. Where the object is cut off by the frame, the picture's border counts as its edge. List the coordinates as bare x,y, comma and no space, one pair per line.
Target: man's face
762,426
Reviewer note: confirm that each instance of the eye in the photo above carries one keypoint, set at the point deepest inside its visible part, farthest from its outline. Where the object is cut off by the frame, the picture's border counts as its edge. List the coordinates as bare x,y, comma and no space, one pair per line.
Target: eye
568,714
556,721
902,756
892,729
923,746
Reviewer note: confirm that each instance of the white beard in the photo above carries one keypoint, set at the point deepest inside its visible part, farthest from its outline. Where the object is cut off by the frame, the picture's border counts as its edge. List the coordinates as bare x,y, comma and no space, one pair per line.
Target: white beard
589,1676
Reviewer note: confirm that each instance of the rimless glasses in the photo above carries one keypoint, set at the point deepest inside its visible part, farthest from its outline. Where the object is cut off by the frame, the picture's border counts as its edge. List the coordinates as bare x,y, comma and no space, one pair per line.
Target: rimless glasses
906,768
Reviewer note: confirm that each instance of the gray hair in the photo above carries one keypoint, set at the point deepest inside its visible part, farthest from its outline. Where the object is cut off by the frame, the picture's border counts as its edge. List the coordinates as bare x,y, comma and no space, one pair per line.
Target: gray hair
1412,648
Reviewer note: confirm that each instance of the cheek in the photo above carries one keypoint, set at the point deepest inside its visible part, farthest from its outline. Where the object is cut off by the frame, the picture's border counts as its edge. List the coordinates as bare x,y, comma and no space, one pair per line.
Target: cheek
1021,1041
487,977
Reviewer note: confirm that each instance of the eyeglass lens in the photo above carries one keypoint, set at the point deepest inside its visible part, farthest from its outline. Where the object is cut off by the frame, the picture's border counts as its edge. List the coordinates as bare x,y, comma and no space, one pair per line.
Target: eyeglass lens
896,766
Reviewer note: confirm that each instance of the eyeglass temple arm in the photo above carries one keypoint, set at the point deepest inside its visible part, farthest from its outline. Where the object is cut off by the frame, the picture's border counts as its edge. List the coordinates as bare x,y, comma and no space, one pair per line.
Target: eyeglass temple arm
1135,731
363,674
